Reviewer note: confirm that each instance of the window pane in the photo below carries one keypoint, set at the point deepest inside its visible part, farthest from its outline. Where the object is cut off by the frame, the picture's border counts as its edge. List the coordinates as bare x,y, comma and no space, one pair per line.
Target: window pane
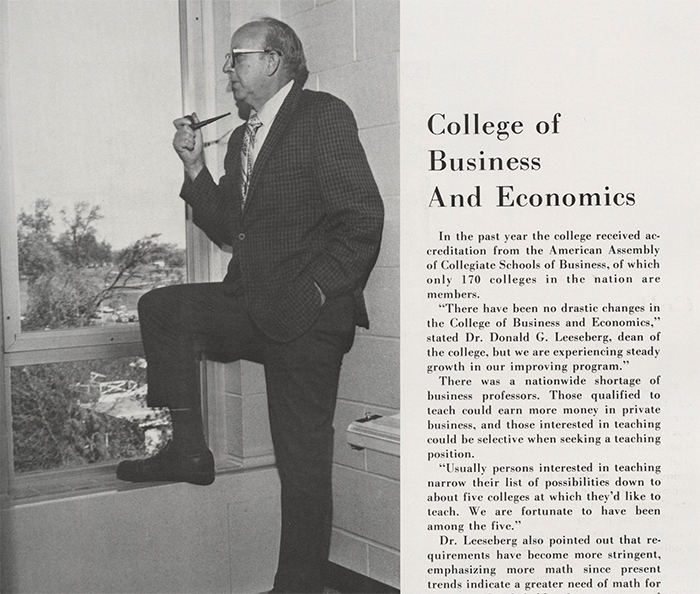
94,86
66,415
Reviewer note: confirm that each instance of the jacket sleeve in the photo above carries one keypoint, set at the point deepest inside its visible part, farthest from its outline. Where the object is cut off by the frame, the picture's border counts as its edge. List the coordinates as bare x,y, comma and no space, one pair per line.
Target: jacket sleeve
212,204
351,200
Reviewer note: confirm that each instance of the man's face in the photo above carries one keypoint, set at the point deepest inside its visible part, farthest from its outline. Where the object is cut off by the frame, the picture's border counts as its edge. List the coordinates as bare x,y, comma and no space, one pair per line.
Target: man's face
247,72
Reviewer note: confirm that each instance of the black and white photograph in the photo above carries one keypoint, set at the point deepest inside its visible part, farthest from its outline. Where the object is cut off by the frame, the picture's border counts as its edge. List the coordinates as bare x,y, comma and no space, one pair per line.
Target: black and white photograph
349,296
200,296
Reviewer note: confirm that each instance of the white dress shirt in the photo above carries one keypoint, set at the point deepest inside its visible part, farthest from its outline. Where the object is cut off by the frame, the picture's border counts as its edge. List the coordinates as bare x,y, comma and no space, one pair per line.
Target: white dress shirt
267,116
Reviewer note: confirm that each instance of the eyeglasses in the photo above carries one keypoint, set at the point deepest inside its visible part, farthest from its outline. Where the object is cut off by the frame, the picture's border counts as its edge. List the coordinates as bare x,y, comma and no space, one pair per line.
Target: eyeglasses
233,55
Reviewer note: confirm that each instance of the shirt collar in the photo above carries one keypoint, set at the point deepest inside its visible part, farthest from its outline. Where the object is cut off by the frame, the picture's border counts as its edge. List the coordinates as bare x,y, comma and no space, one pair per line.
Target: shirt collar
269,111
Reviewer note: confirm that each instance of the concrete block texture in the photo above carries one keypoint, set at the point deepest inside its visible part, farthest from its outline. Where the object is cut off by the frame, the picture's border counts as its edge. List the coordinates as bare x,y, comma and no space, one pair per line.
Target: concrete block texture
289,8
377,27
243,11
384,565
369,87
384,464
327,34
367,505
349,551
243,377
379,563
371,372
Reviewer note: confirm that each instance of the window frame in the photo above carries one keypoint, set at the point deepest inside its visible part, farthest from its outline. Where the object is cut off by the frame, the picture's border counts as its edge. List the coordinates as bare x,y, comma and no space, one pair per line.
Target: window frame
198,60
31,347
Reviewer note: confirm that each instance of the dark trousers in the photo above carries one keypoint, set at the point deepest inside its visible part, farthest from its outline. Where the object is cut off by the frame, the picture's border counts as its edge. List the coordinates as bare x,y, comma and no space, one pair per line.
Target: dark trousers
180,323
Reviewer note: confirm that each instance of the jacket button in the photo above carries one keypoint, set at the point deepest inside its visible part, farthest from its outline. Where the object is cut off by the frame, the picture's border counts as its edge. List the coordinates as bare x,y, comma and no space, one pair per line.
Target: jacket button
241,236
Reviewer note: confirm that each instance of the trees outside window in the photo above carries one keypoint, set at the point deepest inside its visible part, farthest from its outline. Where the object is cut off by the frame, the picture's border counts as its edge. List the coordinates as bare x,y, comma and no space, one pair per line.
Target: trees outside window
67,414
80,412
75,280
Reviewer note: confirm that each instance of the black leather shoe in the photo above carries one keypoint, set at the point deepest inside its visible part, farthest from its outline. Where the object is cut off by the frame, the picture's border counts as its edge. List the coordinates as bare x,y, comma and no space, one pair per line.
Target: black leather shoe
169,465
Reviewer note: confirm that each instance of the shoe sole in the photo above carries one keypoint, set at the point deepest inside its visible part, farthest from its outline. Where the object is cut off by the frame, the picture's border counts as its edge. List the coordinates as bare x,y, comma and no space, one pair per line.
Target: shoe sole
202,478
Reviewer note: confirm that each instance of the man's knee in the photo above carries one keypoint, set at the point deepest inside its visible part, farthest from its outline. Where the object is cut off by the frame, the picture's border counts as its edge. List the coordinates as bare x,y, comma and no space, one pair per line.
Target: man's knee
157,301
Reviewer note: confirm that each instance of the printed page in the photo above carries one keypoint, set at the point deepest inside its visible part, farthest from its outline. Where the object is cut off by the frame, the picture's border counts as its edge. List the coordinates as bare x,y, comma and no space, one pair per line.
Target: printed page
549,296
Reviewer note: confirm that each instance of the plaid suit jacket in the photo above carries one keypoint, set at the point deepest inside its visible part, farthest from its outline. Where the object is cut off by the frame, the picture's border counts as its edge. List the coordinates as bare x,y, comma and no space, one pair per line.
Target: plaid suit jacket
313,214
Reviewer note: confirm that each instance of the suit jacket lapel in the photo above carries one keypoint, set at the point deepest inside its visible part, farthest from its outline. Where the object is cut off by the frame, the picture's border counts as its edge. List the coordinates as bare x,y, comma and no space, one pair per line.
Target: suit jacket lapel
282,120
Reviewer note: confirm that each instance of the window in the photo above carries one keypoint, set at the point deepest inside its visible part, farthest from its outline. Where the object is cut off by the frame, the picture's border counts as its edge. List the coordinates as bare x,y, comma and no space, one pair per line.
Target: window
93,86
91,218
66,415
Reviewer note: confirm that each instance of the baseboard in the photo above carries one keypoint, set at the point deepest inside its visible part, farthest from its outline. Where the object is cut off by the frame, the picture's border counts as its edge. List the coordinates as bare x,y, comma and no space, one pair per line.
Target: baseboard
347,581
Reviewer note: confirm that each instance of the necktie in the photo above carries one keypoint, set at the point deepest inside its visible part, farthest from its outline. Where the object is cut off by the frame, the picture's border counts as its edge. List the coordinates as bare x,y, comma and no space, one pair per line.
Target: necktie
247,158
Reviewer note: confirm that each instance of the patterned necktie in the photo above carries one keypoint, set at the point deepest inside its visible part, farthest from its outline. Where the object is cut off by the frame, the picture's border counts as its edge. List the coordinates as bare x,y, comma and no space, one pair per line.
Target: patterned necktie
247,157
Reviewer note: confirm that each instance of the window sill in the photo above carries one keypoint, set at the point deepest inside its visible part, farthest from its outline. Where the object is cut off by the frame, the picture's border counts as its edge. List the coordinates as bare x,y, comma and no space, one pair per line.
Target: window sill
30,348
42,486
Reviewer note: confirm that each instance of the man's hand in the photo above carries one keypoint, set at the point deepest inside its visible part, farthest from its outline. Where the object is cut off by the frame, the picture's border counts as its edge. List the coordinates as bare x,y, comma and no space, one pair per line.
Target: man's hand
189,145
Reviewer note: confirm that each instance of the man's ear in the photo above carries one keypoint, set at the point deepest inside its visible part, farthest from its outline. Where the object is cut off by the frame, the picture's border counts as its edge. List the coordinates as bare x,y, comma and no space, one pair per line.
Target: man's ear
274,62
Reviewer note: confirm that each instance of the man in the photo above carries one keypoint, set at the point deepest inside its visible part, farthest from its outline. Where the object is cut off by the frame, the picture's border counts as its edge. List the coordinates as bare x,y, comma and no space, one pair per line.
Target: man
300,207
